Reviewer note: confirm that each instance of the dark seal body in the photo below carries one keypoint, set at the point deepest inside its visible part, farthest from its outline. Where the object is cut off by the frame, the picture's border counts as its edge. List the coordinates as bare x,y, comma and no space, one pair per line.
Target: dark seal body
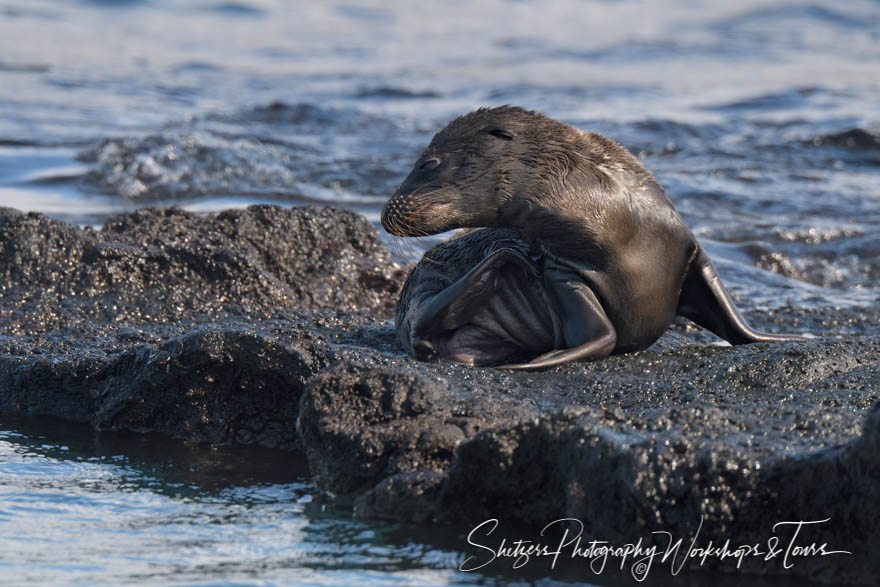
594,257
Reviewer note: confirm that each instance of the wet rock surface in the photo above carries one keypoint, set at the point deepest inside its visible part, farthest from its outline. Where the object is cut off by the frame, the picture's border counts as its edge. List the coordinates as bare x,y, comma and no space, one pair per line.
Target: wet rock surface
168,265
205,328
271,326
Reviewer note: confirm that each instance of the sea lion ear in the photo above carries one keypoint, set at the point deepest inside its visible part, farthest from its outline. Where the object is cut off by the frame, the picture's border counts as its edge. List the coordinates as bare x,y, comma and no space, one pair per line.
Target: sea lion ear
497,131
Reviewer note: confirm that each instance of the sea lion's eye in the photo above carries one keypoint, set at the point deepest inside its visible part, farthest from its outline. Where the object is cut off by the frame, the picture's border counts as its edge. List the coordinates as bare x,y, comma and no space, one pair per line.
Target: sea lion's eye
498,132
429,164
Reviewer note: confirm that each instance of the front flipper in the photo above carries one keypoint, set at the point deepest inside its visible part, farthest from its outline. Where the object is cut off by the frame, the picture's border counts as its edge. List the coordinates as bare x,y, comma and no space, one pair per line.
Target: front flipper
586,331
705,301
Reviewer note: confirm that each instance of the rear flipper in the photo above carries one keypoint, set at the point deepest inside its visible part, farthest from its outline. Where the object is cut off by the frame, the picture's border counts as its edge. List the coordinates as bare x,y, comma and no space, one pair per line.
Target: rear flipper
503,311
457,304
705,301
586,331
456,324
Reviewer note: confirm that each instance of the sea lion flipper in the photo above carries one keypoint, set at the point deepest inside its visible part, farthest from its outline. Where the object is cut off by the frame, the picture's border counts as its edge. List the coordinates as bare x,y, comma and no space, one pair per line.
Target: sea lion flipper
455,305
705,301
585,328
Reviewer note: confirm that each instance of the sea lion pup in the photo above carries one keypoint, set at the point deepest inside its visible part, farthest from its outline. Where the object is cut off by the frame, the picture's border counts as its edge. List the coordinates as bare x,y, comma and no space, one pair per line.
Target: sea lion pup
583,253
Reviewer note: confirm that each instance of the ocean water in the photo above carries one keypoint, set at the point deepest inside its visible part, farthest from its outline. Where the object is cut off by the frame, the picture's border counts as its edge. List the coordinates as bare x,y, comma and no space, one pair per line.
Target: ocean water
761,119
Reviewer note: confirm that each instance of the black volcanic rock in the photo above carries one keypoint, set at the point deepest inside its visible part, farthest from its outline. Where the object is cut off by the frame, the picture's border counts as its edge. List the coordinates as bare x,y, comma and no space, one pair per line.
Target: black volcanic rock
218,385
161,265
271,326
203,327
740,438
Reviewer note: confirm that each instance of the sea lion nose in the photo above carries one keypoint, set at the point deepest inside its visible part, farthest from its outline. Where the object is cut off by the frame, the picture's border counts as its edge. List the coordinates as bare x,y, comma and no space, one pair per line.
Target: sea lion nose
386,216
392,213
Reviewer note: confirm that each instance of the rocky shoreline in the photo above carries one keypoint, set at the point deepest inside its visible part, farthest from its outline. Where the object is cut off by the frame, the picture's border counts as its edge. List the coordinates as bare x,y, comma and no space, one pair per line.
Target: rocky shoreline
271,326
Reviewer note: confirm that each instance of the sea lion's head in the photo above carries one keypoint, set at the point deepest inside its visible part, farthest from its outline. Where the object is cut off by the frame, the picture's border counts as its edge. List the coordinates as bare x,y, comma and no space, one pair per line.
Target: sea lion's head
479,171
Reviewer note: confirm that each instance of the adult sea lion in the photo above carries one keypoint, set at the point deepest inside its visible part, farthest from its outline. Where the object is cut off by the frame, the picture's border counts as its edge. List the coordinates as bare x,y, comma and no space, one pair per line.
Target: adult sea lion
582,253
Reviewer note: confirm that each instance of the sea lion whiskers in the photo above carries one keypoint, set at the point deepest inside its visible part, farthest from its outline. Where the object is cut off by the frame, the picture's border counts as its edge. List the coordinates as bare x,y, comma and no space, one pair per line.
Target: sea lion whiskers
405,247
395,213
420,207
